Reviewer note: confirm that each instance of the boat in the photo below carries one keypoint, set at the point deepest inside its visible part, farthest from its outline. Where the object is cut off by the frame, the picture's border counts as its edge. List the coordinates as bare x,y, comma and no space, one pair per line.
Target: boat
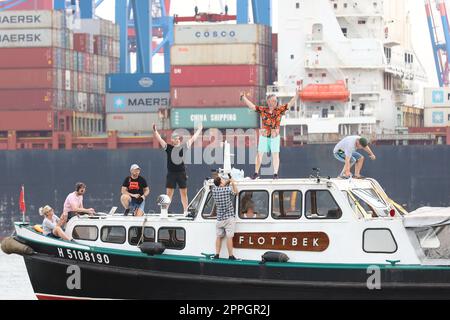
310,238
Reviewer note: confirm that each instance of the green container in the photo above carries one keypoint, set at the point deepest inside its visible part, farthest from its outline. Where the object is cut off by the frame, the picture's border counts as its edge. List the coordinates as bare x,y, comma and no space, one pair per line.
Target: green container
220,118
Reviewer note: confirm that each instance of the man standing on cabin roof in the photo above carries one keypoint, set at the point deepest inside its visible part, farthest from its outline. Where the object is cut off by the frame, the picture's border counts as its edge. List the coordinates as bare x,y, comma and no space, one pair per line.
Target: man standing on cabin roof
73,205
345,151
134,192
176,169
223,196
269,140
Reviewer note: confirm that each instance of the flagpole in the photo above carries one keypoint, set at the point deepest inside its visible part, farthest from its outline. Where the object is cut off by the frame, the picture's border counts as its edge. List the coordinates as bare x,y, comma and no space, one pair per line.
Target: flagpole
23,213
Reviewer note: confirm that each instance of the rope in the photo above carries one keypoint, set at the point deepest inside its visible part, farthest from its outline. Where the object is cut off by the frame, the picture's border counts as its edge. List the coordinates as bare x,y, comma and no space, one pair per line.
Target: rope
141,239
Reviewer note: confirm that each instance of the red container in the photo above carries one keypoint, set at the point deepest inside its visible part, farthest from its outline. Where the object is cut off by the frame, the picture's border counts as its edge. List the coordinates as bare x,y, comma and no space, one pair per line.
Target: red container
81,42
13,100
33,5
30,79
20,58
220,75
26,120
207,97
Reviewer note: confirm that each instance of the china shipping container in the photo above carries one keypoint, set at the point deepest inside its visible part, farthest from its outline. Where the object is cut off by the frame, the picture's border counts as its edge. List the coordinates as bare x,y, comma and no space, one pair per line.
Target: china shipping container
229,118
190,97
31,79
221,54
222,34
33,19
26,120
131,122
217,75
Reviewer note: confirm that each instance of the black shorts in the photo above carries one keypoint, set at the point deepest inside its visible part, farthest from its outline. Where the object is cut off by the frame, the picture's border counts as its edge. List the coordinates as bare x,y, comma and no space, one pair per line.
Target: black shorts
176,178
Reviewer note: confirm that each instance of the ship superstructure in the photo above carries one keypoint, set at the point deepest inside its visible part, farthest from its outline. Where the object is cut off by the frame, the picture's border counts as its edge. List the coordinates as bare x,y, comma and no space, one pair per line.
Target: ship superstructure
352,62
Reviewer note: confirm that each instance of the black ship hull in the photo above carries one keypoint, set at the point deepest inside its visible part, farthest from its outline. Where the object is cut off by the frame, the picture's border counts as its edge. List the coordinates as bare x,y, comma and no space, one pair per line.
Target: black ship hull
180,278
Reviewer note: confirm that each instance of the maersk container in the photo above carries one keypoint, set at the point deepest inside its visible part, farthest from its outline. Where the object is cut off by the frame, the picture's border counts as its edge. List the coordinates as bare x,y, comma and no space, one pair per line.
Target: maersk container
222,34
137,102
34,19
230,118
221,54
25,38
132,122
217,75
139,82
204,97
26,120
31,79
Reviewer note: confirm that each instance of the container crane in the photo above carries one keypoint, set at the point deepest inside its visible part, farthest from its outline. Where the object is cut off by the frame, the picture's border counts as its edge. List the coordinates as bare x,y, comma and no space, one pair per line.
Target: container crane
438,25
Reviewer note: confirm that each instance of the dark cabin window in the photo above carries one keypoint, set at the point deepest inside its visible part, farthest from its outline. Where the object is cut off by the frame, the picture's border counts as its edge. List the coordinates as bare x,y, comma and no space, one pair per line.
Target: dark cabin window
135,234
86,233
114,234
320,204
253,204
286,204
172,238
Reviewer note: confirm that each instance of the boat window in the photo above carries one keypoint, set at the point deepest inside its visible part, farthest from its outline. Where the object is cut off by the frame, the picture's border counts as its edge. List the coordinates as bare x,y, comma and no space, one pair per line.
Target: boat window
353,204
379,241
113,234
87,233
253,204
194,207
135,235
286,204
320,204
172,238
371,202
209,210
435,241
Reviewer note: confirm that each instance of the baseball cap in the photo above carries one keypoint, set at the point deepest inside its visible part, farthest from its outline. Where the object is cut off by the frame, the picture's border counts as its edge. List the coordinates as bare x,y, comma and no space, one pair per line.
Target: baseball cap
134,167
363,142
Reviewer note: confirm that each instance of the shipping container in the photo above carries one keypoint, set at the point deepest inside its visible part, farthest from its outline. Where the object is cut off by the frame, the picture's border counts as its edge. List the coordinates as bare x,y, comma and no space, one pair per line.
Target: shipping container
230,118
206,76
137,102
25,38
132,122
33,5
214,96
152,82
41,99
26,120
222,34
21,58
83,42
31,79
35,19
221,54
437,117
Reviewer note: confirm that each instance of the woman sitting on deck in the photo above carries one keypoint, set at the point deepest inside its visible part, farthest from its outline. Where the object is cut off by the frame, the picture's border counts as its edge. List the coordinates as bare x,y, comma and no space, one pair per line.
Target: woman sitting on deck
52,225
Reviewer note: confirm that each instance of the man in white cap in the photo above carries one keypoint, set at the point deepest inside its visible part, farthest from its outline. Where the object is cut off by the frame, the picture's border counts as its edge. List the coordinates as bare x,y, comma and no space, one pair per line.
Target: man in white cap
134,192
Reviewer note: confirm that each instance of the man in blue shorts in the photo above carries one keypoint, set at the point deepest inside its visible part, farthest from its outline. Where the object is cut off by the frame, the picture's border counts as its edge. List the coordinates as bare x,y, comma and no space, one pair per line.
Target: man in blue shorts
345,151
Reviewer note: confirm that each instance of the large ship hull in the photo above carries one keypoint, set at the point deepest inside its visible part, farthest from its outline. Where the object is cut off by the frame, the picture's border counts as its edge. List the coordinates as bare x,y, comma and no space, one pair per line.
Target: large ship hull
139,276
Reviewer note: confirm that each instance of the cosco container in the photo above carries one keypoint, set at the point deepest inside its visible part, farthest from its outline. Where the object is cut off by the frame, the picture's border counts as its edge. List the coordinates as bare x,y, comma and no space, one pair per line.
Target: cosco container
222,34
221,54
230,118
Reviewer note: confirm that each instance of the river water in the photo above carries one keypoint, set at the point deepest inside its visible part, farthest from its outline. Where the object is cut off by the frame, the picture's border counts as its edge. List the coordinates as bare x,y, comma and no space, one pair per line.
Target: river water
14,281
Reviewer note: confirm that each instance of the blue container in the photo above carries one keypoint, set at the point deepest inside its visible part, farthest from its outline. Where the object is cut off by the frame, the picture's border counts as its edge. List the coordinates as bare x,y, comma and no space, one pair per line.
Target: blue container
138,82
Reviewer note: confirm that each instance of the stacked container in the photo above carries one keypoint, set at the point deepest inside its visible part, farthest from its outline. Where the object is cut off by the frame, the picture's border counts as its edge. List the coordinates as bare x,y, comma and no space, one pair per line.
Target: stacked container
135,101
211,65
46,69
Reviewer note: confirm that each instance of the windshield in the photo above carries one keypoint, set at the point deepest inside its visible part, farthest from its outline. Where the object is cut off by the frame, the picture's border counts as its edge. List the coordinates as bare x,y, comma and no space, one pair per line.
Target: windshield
194,207
371,202
435,241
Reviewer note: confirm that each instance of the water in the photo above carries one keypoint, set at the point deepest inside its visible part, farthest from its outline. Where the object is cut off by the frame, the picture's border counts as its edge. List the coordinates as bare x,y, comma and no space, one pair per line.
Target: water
14,281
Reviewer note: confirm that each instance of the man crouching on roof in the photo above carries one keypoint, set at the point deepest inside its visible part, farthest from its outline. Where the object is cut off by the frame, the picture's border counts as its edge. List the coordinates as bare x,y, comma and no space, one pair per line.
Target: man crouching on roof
223,196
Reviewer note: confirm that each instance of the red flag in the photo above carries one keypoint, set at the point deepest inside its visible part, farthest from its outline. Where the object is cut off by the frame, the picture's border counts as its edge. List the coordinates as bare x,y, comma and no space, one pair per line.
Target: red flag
22,206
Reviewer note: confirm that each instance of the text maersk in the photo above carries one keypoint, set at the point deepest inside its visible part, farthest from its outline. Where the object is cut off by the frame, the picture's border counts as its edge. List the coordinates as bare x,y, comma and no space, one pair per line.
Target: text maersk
20,37
19,19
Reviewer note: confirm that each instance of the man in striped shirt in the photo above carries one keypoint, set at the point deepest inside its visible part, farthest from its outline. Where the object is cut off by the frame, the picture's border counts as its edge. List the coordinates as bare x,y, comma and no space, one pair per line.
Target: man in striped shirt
223,195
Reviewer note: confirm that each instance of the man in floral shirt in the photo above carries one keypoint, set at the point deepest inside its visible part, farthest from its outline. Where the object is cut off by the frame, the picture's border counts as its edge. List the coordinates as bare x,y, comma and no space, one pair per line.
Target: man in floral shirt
270,139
